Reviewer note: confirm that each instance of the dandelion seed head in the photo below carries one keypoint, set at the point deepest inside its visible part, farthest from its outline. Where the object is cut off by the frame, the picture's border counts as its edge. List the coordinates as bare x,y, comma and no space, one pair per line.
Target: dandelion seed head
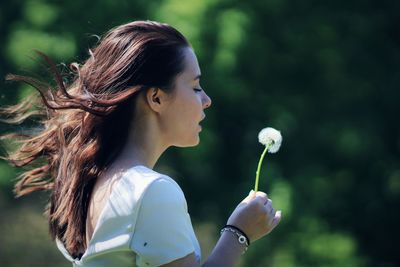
272,137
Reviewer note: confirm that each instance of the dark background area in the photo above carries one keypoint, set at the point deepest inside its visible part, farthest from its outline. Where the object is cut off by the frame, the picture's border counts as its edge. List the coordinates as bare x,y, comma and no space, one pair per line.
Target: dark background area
325,73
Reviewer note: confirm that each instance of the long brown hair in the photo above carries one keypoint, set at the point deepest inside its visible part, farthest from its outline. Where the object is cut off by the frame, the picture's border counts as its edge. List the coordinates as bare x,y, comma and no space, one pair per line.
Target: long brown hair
84,124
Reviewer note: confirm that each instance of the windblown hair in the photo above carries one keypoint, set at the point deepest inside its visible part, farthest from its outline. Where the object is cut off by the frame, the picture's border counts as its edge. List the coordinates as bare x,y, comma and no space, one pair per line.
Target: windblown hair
84,124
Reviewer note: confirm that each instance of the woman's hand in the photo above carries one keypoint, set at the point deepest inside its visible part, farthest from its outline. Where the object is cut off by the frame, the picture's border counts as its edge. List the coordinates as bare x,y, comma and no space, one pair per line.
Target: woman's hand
255,215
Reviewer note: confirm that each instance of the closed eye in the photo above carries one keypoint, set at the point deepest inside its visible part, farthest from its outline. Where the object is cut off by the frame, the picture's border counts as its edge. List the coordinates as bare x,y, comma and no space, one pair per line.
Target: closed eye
197,89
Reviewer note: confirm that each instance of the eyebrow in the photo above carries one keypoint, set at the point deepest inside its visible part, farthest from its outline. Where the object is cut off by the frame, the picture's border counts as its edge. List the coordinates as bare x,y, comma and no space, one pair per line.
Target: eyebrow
197,77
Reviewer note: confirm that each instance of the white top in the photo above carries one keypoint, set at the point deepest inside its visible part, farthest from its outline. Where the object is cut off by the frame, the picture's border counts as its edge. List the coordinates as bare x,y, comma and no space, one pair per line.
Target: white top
145,222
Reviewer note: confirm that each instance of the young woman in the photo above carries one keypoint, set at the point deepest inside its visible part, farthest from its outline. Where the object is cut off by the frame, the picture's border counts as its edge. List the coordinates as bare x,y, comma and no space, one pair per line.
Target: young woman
101,135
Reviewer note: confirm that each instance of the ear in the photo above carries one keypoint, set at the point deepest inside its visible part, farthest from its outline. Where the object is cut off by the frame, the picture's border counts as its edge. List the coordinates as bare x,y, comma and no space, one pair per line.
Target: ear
156,99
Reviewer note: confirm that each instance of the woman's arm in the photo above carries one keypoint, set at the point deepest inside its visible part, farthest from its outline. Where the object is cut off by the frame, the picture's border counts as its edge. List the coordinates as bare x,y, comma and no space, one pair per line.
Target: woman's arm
226,253
254,214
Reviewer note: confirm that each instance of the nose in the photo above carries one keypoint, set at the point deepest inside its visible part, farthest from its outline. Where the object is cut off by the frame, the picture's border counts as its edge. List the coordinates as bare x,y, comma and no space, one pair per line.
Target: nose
206,101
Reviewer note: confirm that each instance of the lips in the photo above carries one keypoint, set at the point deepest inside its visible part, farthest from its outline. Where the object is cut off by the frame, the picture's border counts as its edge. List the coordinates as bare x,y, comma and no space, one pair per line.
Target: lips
200,121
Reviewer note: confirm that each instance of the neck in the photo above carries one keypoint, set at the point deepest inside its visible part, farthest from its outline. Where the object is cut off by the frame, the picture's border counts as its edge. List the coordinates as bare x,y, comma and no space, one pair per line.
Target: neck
144,145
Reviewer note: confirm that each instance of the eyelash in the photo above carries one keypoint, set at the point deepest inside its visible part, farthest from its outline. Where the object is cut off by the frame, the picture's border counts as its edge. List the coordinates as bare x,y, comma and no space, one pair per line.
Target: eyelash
197,89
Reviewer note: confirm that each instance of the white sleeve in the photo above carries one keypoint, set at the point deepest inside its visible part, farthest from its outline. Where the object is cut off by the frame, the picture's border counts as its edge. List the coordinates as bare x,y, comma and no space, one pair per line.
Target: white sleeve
163,226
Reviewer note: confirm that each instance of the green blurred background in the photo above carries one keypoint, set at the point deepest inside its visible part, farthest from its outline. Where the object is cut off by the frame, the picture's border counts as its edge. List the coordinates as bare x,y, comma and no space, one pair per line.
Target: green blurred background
325,73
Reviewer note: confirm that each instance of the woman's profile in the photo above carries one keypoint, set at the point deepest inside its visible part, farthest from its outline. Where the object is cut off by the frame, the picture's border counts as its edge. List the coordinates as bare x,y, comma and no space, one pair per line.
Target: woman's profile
98,140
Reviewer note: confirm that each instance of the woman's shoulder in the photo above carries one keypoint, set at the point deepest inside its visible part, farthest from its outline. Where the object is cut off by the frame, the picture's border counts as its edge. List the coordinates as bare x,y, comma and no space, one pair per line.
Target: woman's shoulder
143,180
139,186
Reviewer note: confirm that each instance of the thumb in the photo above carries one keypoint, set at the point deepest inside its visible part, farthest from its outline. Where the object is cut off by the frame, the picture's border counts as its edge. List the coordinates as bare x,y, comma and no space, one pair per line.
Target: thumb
251,195
252,192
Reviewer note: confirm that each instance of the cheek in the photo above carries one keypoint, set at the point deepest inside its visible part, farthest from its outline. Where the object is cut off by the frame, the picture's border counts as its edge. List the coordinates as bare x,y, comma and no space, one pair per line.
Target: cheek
175,119
185,120
185,112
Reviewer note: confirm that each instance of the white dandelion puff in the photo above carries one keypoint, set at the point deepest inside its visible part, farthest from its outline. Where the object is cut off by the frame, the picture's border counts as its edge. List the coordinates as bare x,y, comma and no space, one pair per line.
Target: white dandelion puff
270,137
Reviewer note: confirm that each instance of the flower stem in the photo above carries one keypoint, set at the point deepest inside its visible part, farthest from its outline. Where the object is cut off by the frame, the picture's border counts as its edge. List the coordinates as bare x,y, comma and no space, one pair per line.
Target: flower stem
259,167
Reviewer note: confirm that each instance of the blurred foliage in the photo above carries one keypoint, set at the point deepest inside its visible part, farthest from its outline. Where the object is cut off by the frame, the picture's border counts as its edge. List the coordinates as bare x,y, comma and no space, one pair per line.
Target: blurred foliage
325,73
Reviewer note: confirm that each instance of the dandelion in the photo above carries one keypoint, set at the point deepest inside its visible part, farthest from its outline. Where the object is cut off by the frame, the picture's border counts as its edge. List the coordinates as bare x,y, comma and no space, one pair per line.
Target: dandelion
272,139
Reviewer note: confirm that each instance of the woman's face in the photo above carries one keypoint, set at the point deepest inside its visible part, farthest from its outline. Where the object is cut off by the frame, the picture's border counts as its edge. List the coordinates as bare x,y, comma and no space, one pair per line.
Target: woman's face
185,109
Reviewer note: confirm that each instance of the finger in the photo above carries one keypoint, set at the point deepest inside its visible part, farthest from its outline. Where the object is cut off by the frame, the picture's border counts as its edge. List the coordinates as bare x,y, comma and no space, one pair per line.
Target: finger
262,194
263,200
277,218
272,212
268,204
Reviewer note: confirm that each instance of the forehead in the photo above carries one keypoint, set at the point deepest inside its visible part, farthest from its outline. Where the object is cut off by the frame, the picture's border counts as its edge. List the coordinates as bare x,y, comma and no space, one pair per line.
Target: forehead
191,69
